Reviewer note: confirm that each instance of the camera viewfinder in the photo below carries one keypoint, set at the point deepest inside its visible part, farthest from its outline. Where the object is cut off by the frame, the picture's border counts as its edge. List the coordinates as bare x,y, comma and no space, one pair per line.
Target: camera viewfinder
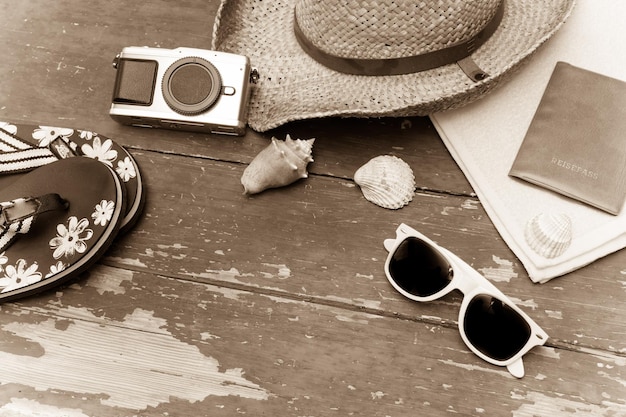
135,82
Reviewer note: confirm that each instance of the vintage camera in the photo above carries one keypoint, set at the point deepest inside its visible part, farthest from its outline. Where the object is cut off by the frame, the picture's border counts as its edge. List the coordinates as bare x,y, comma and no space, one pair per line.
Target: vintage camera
182,88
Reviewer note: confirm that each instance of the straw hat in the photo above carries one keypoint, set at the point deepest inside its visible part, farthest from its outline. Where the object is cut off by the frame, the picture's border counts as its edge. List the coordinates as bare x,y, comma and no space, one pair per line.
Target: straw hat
363,58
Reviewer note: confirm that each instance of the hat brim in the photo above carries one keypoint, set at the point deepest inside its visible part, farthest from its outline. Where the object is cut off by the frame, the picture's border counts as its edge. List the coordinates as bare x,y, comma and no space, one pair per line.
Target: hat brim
293,86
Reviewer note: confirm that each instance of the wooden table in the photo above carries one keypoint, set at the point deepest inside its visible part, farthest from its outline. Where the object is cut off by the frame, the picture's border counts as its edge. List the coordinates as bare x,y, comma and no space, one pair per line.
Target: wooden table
220,304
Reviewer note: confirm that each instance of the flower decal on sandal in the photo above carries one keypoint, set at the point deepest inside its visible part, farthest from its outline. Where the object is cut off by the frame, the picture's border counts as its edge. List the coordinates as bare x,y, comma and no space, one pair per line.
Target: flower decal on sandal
102,151
125,169
46,134
8,127
103,212
19,276
86,134
71,239
55,269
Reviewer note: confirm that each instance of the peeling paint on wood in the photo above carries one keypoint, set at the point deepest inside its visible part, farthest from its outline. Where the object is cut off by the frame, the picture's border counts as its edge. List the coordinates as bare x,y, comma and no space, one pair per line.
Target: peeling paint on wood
153,365
555,406
504,272
22,407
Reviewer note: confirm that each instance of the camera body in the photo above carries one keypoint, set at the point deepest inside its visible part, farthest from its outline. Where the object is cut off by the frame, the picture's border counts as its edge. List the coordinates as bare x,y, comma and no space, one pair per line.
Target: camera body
182,88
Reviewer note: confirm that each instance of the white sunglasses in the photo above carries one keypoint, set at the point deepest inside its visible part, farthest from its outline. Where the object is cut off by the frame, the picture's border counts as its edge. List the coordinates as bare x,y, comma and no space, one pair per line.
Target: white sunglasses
491,325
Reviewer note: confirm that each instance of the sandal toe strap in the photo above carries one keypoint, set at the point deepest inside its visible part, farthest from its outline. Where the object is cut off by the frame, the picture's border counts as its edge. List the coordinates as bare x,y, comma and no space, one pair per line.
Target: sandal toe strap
18,155
16,216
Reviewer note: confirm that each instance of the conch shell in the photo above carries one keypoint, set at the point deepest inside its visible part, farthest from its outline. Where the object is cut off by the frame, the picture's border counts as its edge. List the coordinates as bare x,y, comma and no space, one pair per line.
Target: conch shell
280,164
549,234
386,181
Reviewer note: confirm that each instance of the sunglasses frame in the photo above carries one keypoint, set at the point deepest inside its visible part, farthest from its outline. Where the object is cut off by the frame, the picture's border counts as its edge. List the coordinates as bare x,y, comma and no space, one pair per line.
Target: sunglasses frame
471,283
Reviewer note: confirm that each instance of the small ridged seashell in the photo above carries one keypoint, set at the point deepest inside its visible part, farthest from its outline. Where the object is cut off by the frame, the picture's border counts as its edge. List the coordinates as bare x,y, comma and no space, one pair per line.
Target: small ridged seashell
386,181
549,234
279,164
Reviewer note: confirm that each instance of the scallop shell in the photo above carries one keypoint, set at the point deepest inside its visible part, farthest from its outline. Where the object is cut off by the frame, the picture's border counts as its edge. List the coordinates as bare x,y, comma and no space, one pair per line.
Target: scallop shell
549,234
386,181
279,164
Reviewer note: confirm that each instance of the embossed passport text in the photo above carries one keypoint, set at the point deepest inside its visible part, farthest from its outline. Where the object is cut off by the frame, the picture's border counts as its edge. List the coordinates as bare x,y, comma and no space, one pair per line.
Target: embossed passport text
576,142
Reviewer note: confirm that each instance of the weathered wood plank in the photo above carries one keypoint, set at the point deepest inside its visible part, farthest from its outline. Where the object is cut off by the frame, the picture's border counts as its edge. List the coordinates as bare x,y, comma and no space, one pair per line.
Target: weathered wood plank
125,343
320,239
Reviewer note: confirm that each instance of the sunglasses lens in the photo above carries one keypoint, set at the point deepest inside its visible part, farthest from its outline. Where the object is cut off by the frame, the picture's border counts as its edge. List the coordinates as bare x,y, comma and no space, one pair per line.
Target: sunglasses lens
418,268
494,328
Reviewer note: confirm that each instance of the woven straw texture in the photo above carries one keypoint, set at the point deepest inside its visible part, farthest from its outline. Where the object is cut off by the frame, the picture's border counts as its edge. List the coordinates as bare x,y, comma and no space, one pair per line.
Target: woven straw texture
293,86
391,29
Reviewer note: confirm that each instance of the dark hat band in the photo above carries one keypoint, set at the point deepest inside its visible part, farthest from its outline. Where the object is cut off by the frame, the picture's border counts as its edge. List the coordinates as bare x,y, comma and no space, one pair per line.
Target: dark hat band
401,65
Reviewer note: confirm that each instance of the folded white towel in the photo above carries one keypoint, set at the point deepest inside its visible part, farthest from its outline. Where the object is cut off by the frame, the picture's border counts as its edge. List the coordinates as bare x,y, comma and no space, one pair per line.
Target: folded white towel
484,138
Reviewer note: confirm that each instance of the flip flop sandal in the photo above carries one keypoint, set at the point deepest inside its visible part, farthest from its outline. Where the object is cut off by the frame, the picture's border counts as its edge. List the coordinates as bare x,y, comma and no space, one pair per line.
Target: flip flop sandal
25,147
55,222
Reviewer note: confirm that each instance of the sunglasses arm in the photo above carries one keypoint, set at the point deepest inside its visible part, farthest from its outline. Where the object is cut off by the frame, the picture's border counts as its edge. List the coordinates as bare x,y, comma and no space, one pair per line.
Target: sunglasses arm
516,368
389,244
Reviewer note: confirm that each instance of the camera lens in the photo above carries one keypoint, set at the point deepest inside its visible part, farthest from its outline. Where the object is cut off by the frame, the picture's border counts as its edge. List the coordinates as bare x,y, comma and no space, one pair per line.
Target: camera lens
191,85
